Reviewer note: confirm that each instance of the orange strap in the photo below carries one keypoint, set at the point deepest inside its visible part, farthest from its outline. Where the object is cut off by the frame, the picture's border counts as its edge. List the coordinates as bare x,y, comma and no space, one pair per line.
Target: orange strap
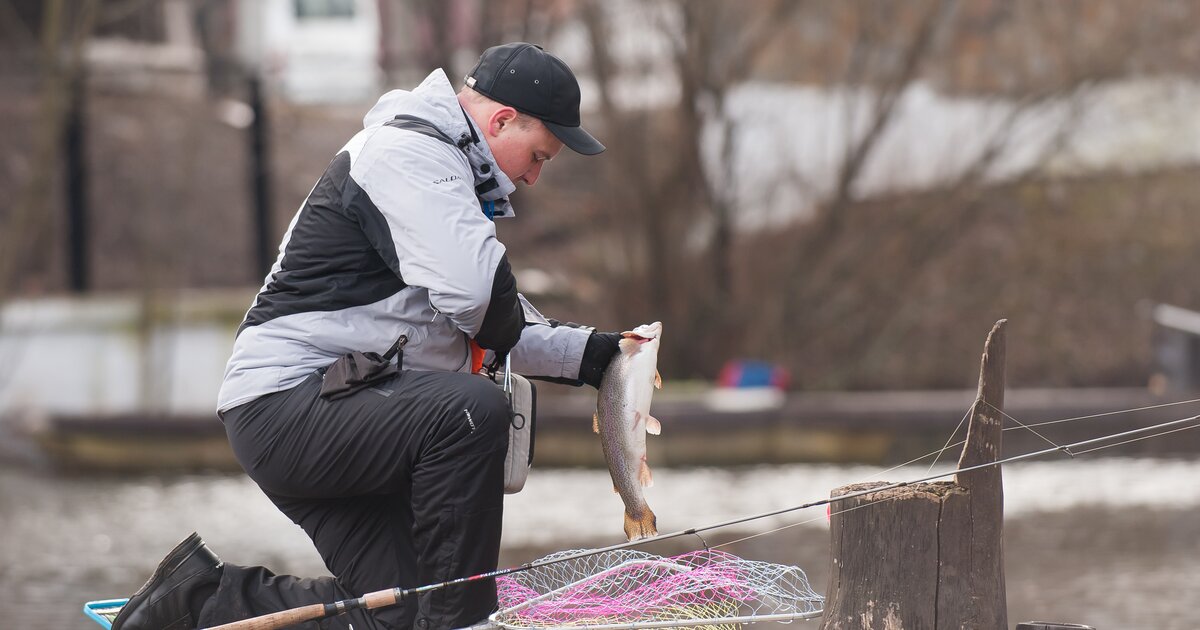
476,358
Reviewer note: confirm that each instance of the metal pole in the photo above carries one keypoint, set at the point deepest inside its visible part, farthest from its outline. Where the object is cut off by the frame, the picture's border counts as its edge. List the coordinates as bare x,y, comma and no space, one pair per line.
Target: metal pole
260,181
74,146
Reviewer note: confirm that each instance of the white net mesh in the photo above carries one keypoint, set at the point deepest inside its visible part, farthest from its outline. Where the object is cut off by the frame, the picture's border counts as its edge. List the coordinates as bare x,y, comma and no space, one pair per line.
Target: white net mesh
633,589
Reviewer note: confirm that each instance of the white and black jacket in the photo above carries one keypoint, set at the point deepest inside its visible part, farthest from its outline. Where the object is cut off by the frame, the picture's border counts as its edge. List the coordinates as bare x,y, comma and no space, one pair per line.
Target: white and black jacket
396,238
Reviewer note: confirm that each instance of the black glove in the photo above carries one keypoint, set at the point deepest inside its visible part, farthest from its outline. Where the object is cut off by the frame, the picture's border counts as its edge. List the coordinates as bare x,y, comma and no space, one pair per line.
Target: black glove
597,354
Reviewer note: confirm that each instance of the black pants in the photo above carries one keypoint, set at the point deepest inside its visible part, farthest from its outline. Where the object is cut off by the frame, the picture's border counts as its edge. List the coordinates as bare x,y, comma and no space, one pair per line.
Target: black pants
400,484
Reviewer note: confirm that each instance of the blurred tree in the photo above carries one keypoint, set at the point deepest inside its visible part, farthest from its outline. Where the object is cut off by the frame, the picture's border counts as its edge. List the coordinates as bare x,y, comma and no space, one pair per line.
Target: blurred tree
681,192
856,267
838,287
420,35
26,228
856,284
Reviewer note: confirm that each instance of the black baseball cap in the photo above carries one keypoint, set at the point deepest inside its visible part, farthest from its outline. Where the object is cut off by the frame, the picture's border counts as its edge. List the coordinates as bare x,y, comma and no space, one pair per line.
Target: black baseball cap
534,82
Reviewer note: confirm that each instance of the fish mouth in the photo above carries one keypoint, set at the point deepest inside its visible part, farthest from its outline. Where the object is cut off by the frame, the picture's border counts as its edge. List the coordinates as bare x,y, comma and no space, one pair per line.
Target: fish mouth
644,333
636,337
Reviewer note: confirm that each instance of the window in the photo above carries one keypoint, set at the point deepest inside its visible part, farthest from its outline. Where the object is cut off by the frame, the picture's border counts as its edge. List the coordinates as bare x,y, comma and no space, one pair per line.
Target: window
306,9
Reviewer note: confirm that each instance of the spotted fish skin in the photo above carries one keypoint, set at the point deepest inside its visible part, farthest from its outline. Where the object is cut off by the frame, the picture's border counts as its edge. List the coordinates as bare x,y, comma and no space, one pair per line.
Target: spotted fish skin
623,419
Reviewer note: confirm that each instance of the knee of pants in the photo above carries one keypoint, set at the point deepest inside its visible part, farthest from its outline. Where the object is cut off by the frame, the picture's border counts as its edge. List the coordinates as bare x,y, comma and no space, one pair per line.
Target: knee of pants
490,404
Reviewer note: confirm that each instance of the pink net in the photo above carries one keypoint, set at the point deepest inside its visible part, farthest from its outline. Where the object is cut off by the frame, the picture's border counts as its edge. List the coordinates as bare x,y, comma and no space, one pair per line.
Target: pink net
709,589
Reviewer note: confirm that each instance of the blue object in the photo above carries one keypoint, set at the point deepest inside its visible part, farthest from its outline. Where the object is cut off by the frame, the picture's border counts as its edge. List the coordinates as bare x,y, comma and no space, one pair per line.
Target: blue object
752,373
104,611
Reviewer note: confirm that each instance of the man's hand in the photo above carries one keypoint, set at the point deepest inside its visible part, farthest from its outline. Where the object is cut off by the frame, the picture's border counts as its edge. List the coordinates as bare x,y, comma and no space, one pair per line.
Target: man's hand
597,354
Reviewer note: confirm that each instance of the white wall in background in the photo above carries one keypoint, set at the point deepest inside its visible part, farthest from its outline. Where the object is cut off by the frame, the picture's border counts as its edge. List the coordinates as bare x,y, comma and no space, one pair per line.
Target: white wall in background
312,51
82,356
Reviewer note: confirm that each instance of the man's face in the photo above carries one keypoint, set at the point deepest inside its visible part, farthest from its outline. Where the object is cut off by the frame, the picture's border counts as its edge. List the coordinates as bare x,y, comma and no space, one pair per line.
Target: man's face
520,147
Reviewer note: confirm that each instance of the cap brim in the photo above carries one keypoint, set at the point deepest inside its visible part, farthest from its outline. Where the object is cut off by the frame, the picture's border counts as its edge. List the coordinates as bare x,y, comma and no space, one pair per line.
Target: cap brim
575,138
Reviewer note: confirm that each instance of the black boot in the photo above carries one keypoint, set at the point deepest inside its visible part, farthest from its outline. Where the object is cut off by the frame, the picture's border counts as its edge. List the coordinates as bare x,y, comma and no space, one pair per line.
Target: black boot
164,601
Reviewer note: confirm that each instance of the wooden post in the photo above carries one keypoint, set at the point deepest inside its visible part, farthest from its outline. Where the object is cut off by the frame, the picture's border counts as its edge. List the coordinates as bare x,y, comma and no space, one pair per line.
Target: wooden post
928,555
975,592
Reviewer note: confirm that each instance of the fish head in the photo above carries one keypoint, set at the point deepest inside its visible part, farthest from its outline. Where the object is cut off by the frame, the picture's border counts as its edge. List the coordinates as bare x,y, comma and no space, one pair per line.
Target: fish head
645,335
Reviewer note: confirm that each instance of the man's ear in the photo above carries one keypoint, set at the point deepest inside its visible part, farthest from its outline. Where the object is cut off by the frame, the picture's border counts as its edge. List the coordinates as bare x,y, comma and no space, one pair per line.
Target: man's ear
501,118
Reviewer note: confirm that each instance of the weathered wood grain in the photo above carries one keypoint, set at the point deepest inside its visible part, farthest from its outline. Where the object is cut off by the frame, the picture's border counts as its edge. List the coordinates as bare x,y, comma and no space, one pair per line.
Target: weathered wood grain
928,556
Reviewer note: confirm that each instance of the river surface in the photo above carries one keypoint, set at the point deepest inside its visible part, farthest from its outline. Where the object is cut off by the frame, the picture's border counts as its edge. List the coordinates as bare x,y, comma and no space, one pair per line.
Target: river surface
1113,543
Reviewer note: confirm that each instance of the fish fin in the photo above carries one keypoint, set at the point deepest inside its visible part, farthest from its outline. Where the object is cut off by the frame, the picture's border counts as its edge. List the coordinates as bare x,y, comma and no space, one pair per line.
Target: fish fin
653,426
657,380
644,475
644,526
596,422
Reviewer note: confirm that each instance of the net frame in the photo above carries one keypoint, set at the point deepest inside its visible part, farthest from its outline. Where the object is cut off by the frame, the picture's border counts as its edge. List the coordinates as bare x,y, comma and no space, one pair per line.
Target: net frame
626,589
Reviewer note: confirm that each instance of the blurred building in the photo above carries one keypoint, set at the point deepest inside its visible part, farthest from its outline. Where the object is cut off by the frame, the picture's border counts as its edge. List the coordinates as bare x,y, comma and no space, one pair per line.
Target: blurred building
311,51
1176,349
304,51
1039,161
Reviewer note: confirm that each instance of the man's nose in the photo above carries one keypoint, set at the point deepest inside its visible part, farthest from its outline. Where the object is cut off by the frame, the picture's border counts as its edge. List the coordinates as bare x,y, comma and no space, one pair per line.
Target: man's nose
531,176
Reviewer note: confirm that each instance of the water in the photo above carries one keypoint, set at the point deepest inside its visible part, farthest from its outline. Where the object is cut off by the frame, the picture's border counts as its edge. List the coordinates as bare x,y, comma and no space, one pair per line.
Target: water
1114,543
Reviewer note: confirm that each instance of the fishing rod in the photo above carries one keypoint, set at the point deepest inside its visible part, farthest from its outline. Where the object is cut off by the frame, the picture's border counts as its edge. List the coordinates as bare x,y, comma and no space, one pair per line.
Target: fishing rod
391,596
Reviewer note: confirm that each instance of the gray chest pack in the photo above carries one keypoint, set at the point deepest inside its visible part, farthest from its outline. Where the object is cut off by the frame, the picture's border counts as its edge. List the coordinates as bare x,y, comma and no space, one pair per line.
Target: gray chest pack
522,403
521,394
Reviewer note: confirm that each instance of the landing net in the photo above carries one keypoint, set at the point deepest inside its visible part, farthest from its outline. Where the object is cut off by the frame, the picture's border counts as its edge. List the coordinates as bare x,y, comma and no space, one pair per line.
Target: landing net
706,589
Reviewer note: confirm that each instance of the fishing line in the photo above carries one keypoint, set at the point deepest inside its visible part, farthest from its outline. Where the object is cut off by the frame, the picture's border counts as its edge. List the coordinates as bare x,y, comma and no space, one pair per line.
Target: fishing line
910,462
391,596
1025,426
947,444
937,454
1108,413
1139,439
878,494
1074,453
799,523
878,490
1022,425
851,495
900,484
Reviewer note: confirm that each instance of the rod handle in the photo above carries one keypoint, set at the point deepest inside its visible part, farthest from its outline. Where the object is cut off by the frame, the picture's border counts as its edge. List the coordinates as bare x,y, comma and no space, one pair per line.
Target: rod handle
276,620
293,616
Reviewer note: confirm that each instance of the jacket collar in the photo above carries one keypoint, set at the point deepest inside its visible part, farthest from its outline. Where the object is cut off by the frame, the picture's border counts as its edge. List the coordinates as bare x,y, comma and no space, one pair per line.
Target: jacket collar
491,184
435,100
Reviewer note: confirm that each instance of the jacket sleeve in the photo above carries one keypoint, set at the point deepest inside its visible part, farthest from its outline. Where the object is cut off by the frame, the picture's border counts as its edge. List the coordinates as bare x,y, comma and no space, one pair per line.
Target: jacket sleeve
429,228
548,349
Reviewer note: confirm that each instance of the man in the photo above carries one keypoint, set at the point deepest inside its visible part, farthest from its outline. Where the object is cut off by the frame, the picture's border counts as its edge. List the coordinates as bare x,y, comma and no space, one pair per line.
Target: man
398,483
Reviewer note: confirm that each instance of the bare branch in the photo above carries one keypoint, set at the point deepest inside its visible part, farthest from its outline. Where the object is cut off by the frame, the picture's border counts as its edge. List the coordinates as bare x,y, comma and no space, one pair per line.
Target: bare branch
885,105
9,15
754,40
115,12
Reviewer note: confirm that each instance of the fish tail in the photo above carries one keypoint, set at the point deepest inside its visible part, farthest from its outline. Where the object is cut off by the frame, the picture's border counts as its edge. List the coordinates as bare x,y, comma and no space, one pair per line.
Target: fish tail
643,526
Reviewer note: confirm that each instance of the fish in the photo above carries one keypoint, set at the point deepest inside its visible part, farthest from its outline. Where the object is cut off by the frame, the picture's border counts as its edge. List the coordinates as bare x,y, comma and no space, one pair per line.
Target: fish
623,419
